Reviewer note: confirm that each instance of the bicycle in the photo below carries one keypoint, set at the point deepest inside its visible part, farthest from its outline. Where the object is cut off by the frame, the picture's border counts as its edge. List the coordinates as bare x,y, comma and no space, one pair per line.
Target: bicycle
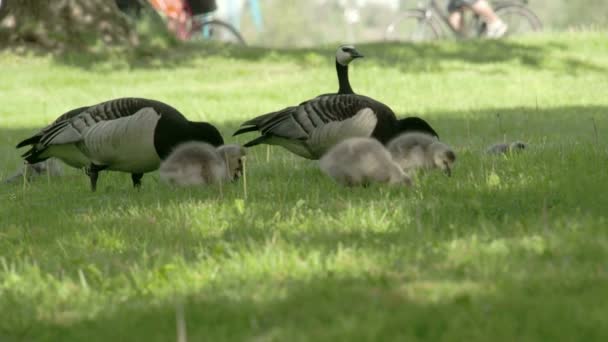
428,22
194,21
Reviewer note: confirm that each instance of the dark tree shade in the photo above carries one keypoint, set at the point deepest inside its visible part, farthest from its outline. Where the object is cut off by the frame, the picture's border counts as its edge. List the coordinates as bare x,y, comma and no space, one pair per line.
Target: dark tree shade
59,23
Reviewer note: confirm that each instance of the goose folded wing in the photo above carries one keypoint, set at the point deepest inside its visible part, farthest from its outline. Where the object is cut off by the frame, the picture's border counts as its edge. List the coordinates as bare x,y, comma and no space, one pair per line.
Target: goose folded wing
300,121
322,138
71,128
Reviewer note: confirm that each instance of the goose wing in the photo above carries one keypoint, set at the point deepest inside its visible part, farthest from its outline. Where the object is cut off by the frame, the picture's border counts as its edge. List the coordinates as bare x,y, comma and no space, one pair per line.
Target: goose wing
298,122
65,116
324,137
69,127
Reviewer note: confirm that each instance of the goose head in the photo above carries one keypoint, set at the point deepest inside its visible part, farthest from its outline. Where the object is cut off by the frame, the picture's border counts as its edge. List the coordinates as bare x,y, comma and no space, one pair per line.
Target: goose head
233,155
346,54
443,157
517,146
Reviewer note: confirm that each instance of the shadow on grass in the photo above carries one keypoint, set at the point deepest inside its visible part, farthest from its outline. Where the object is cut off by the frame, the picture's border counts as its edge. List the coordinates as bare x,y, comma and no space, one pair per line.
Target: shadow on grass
464,129
411,58
376,307
113,228
544,129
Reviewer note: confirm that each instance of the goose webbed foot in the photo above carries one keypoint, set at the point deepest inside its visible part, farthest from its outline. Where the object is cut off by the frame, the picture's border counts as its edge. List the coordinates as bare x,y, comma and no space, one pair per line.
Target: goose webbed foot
93,173
136,178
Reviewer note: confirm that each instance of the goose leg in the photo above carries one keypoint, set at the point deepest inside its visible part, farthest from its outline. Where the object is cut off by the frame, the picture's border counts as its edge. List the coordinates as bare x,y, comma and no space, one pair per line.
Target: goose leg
93,173
136,177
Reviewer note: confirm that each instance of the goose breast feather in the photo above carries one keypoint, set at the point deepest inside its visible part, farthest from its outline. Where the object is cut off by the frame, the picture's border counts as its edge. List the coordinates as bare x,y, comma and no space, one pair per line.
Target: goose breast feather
124,144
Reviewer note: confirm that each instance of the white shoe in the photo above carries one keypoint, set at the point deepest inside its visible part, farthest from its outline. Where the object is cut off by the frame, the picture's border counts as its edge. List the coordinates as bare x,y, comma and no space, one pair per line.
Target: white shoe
496,29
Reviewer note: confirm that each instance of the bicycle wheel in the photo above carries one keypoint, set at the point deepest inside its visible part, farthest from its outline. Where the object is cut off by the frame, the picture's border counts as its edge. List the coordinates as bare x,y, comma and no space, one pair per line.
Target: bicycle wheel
413,26
518,17
217,30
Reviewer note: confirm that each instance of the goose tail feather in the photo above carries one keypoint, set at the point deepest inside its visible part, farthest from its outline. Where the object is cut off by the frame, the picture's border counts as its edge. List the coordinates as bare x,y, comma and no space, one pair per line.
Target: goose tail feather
245,130
29,141
256,141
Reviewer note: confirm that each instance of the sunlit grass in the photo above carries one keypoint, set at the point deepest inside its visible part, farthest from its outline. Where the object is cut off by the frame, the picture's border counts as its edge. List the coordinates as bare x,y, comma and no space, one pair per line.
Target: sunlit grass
509,248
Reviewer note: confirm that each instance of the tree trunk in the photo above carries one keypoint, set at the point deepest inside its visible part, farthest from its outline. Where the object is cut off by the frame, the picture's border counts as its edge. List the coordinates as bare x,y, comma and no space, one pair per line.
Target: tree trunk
62,23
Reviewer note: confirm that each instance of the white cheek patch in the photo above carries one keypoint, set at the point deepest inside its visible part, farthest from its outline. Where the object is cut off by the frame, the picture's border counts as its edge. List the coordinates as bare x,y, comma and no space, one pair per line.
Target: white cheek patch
343,57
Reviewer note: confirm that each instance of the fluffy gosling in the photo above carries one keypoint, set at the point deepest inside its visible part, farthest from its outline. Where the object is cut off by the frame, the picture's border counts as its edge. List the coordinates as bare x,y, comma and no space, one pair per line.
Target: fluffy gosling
360,161
516,146
416,150
233,154
198,163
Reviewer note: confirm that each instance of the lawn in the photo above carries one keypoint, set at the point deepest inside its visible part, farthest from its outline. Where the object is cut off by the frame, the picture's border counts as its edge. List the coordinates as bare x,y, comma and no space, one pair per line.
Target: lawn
509,249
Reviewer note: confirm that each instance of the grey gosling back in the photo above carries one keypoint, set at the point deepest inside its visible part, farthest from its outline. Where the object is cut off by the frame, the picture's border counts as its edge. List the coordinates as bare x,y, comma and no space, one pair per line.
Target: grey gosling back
412,151
360,161
516,146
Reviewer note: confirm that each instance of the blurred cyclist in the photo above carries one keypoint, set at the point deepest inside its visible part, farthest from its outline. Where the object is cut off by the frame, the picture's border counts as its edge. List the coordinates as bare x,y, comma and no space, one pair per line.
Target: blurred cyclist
495,27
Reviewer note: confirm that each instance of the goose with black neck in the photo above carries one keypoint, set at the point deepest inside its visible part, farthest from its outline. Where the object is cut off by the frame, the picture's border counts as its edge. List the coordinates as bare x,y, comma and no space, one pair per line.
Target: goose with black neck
127,134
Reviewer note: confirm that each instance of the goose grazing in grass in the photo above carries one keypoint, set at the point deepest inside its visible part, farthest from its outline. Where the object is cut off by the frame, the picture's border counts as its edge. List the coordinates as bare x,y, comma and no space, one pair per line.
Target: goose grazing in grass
197,163
419,150
344,55
312,127
516,146
127,134
360,161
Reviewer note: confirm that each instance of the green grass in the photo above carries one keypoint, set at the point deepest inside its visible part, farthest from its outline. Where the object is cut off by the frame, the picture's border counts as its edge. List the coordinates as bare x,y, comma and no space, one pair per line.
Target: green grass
508,249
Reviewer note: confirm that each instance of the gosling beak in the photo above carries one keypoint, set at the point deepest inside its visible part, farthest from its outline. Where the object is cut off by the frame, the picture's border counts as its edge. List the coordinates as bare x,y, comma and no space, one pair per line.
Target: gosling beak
448,171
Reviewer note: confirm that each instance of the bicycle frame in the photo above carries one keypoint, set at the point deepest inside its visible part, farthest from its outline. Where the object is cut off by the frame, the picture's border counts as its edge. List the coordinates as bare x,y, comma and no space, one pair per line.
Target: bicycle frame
433,7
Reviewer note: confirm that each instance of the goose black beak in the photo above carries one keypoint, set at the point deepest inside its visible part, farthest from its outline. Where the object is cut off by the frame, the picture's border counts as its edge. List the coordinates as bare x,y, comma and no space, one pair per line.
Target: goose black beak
356,54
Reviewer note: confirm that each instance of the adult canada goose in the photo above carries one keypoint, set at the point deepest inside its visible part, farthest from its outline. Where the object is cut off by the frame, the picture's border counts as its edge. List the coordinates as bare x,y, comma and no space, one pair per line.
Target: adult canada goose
360,161
198,163
418,150
515,146
126,134
344,55
312,127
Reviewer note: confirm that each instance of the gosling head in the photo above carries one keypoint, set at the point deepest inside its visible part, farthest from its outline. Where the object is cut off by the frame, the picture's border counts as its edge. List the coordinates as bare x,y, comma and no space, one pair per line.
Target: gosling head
233,155
346,54
443,157
517,146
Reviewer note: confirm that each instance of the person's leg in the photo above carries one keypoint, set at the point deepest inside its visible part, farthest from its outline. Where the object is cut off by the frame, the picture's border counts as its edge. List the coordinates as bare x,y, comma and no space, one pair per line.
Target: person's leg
455,20
483,8
495,26
455,8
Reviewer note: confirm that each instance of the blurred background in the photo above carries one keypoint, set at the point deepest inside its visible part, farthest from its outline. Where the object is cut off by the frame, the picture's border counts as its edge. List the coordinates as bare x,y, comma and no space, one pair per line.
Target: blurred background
329,21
